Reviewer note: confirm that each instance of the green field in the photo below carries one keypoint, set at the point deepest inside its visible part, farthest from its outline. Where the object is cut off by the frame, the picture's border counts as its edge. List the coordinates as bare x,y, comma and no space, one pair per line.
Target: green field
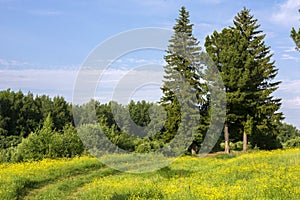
257,175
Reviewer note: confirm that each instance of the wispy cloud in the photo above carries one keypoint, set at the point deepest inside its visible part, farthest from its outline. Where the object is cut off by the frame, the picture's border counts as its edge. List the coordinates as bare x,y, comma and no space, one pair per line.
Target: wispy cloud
286,56
289,90
45,12
286,14
290,85
286,52
49,82
124,85
4,63
290,49
137,84
143,61
293,102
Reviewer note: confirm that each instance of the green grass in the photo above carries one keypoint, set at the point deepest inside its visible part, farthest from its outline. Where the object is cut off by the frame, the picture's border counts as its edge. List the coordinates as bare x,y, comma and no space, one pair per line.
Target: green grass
257,175
17,180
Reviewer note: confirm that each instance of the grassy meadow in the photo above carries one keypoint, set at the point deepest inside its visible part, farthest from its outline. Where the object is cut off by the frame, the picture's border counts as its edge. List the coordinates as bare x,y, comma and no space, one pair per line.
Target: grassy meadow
256,175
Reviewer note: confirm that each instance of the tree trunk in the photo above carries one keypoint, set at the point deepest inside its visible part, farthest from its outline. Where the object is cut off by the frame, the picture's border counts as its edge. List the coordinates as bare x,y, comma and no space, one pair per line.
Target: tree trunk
193,149
193,152
226,137
245,141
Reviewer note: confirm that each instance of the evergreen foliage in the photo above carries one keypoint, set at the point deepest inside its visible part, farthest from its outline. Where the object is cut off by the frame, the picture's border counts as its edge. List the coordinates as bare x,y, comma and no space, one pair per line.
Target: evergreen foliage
247,69
295,35
182,81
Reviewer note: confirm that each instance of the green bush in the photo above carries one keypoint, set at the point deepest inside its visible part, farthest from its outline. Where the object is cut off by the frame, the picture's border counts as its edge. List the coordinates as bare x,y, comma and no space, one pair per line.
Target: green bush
6,155
239,145
143,148
235,146
222,146
9,141
47,143
231,145
292,143
35,147
66,144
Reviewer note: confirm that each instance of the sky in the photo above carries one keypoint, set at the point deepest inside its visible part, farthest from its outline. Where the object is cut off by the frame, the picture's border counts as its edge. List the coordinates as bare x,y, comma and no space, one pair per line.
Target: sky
44,44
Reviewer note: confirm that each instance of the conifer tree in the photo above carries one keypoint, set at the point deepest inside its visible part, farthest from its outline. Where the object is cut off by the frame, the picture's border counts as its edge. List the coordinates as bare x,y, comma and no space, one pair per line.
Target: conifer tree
247,71
183,66
222,49
183,58
295,35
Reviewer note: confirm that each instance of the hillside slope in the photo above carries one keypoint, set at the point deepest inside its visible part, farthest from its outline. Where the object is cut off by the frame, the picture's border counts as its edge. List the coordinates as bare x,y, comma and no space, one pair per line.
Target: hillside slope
259,175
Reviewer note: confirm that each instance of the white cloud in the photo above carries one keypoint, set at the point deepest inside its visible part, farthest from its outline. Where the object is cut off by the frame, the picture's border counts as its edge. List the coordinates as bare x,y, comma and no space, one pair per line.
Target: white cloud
290,49
292,103
287,52
271,34
134,63
286,13
45,12
123,85
6,64
292,86
143,61
137,61
289,91
286,56
132,83
50,82
12,63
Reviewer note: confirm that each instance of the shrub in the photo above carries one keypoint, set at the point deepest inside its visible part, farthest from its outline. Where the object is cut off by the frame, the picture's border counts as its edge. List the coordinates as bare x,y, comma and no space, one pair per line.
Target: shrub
68,144
235,146
292,143
47,143
143,148
7,154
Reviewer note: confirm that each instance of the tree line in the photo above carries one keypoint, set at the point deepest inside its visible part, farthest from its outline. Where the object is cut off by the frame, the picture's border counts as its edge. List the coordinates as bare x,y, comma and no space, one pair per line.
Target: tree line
44,137
37,127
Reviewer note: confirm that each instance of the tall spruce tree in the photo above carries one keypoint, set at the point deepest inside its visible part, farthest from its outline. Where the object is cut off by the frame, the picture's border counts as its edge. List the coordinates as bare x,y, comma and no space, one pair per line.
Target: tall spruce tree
222,48
295,35
183,66
247,71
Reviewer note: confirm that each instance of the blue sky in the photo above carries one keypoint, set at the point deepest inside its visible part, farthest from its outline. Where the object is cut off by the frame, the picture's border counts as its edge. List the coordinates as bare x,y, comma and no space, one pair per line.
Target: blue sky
44,43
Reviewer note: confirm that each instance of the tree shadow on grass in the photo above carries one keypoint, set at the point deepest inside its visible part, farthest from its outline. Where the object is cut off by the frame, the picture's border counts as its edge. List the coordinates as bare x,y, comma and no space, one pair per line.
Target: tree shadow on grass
150,194
169,173
225,156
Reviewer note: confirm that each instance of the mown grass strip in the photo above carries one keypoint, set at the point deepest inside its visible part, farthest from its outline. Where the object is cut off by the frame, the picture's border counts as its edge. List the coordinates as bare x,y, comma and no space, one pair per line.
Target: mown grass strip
63,188
18,179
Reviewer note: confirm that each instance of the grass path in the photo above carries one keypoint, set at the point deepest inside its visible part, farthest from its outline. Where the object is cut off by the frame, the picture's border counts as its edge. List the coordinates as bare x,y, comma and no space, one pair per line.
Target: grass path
19,179
66,187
